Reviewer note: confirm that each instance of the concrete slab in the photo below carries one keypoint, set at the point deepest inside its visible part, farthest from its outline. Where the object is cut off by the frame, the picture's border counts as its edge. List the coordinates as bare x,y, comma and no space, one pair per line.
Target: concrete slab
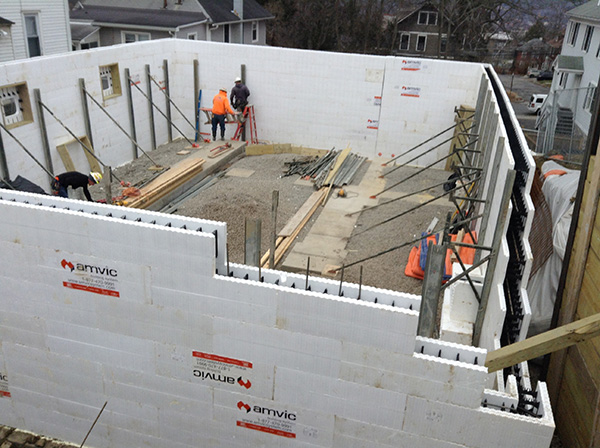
331,223
239,172
321,245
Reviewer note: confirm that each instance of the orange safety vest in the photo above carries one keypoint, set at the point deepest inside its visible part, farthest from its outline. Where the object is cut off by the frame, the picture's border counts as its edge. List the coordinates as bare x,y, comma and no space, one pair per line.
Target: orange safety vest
221,104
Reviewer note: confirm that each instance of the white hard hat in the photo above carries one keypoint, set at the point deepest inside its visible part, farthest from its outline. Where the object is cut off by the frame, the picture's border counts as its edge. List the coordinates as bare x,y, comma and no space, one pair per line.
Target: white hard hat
223,89
238,79
96,177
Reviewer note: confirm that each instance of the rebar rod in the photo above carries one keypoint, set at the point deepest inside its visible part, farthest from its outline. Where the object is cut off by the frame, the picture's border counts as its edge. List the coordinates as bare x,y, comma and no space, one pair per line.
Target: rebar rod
427,152
433,232
173,103
120,127
464,268
428,140
413,175
27,151
161,112
468,271
435,198
409,195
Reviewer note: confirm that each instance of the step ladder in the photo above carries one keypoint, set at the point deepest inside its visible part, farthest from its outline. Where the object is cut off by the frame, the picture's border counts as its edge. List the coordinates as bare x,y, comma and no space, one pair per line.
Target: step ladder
247,117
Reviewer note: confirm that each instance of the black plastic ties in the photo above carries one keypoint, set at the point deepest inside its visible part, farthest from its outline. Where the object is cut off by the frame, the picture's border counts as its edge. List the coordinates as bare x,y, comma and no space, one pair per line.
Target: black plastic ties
246,277
476,360
440,353
293,285
277,282
168,224
375,300
458,356
422,349
325,292
216,234
138,220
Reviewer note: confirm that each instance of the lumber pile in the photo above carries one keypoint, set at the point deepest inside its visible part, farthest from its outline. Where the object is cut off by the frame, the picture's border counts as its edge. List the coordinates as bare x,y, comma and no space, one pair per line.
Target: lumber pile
294,226
167,182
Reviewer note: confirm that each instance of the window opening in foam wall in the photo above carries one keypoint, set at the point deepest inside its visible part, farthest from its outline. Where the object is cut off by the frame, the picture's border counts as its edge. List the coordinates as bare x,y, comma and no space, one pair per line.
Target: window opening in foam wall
110,81
15,105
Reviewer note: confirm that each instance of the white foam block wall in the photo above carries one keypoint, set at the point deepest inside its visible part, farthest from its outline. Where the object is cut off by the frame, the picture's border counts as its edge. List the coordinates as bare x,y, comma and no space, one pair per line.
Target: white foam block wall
181,354
372,103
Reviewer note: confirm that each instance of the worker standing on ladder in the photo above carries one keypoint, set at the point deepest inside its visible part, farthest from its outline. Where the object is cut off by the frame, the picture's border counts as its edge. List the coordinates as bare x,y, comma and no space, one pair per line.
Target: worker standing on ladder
75,179
239,95
220,109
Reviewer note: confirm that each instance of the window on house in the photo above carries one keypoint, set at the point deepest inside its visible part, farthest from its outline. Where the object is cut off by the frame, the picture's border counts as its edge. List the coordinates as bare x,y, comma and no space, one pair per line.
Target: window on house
34,47
87,46
562,82
587,38
255,31
404,41
444,45
15,106
110,81
421,43
589,97
192,36
225,33
573,31
427,18
127,37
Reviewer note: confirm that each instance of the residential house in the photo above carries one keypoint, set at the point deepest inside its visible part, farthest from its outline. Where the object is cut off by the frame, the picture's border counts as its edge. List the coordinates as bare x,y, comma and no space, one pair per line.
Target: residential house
419,32
534,53
30,28
125,21
567,111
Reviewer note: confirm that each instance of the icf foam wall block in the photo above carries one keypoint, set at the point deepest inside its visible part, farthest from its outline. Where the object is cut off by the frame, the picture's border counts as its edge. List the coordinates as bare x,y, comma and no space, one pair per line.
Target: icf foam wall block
230,361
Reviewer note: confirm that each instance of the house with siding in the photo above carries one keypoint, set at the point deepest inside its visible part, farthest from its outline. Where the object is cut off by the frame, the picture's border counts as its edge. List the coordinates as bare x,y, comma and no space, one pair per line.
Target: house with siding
418,32
125,21
567,111
30,28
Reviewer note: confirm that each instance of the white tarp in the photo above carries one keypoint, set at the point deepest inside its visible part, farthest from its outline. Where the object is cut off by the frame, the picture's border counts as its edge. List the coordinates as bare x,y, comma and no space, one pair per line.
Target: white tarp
559,192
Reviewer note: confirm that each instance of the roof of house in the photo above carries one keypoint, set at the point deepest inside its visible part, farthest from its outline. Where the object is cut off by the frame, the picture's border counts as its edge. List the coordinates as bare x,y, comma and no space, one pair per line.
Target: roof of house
215,11
134,16
81,31
221,11
534,45
589,10
4,21
571,64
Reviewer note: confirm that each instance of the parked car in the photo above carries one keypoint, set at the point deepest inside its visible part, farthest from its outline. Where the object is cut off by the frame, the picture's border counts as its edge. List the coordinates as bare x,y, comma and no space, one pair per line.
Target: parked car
533,72
545,75
535,102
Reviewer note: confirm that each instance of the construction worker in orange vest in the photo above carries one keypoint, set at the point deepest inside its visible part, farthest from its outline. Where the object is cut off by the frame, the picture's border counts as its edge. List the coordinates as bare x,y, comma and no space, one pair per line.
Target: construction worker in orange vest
220,109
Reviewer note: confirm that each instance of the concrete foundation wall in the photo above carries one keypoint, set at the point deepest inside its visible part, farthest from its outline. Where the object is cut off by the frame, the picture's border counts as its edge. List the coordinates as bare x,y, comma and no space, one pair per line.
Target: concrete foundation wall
380,106
101,309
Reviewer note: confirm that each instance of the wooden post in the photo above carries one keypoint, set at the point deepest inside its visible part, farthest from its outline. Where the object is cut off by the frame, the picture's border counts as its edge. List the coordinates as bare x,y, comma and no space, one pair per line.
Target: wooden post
196,92
131,113
3,164
252,252
274,206
168,92
430,296
150,107
43,130
86,112
107,178
544,343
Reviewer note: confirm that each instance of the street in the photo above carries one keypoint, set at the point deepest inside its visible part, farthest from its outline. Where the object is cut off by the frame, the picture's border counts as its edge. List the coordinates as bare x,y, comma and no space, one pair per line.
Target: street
524,87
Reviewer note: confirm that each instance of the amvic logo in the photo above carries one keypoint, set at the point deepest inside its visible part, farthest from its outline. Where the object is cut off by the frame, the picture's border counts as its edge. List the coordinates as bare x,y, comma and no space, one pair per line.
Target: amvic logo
285,414
89,268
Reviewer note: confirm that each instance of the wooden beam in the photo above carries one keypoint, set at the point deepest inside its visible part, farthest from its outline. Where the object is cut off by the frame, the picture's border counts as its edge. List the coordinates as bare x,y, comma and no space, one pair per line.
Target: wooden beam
544,343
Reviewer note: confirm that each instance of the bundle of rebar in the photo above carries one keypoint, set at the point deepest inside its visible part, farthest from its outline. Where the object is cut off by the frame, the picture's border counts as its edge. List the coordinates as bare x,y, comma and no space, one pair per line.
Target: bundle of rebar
319,168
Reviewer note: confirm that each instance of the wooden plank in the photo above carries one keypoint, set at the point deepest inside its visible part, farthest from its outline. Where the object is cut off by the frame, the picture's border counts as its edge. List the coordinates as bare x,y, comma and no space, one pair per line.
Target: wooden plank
282,249
544,343
293,223
259,150
65,157
94,165
264,261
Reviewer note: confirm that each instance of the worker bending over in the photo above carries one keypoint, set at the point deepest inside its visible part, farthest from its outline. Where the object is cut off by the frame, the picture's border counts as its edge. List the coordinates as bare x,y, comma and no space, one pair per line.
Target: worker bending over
75,180
220,109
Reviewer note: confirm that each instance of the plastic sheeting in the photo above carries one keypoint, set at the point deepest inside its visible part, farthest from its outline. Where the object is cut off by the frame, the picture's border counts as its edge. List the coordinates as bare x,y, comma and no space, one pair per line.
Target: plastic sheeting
559,191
